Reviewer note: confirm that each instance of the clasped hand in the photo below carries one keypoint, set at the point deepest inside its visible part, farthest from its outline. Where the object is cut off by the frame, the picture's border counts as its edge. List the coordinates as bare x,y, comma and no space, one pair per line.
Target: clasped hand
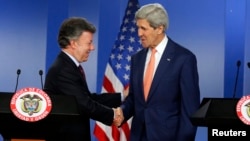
118,118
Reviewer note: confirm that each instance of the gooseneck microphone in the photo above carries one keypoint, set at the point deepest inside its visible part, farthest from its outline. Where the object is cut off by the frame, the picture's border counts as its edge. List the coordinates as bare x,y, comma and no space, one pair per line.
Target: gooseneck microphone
236,78
18,73
41,74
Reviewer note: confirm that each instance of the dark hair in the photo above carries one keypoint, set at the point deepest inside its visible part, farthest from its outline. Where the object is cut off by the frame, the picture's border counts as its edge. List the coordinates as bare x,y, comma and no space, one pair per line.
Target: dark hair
72,28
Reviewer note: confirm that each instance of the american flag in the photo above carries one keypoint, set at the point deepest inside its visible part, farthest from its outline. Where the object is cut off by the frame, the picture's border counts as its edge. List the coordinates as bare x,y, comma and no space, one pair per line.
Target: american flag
117,72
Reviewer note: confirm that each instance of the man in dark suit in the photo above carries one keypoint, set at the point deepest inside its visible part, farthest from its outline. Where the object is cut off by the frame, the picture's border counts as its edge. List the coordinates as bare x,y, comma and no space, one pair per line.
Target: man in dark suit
164,113
64,78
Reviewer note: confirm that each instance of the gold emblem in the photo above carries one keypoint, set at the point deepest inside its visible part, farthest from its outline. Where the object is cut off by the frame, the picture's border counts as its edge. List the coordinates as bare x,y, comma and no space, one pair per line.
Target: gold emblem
31,104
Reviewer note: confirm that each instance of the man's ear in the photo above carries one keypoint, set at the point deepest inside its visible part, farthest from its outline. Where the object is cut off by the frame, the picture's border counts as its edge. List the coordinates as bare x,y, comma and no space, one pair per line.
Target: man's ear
73,43
160,29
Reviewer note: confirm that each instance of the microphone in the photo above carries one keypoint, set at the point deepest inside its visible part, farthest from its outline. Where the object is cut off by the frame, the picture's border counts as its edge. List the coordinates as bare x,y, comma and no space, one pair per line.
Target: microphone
236,78
41,74
248,64
18,73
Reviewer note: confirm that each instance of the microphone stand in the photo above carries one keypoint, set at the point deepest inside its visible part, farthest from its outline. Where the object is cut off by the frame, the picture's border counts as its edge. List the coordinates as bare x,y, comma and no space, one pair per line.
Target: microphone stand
18,73
41,74
236,78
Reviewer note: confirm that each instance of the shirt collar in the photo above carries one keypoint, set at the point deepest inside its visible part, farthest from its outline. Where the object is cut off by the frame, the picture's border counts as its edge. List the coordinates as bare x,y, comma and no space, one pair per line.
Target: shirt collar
72,58
161,46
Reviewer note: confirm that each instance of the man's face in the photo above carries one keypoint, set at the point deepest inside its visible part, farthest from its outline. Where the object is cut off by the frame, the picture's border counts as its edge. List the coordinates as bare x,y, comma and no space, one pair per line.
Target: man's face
150,37
83,46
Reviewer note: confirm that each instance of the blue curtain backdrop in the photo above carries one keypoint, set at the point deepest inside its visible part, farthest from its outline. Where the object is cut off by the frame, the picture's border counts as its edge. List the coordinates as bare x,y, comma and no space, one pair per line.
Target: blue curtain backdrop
216,31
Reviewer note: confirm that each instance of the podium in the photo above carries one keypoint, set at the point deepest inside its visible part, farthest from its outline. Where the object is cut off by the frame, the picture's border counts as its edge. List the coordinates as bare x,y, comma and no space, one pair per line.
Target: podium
219,115
64,110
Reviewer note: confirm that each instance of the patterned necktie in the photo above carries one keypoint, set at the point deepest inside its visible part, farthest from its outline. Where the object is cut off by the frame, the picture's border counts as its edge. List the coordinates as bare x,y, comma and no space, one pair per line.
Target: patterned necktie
149,73
82,71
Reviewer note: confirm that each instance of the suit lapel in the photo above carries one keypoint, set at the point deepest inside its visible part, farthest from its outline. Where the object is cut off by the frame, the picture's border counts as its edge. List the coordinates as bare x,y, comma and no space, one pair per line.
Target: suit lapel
72,64
141,70
66,58
163,65
139,65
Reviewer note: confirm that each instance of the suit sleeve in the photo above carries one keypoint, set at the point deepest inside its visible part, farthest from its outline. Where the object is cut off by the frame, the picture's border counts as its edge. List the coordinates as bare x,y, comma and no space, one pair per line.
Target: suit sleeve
69,83
108,99
190,98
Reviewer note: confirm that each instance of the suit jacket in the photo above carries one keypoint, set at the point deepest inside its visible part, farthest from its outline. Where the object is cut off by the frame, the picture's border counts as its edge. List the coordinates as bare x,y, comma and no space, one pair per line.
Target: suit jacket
64,78
174,96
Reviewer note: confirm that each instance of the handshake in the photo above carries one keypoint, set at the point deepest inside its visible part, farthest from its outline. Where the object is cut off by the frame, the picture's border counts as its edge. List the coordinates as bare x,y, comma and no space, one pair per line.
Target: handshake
118,116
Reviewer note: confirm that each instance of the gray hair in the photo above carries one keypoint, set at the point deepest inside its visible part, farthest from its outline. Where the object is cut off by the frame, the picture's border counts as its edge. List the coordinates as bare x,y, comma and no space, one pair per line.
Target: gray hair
155,14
